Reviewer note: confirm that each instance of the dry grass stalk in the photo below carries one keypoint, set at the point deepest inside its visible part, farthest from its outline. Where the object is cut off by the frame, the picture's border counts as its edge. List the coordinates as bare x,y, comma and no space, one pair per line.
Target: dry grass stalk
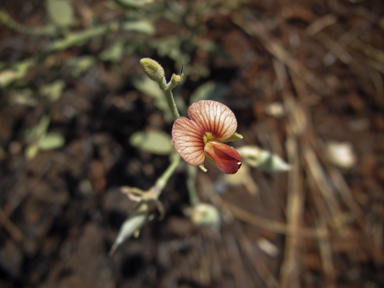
290,272
256,29
368,50
321,23
321,181
271,225
290,269
336,48
257,262
326,256
236,260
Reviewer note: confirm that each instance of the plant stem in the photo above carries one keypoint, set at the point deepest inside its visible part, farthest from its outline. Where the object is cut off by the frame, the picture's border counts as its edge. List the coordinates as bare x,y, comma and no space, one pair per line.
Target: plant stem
172,104
167,89
6,19
162,181
191,185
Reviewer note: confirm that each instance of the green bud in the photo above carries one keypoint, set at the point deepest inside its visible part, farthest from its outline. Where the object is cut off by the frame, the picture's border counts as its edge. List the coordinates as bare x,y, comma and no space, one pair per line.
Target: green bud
204,214
153,70
263,159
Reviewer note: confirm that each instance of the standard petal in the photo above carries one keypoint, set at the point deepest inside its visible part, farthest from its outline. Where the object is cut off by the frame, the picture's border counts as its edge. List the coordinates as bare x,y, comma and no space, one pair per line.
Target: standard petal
188,139
225,157
214,117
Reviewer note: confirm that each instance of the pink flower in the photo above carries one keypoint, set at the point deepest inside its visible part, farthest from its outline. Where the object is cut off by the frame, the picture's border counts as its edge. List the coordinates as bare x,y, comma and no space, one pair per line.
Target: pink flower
211,123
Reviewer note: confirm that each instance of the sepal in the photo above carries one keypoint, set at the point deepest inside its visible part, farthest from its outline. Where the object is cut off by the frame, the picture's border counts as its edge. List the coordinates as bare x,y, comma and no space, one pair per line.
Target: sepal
234,137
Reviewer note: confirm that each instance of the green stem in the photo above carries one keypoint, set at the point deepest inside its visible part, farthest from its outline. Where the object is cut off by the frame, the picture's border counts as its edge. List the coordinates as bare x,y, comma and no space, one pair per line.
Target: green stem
191,185
167,89
6,19
79,37
172,104
162,181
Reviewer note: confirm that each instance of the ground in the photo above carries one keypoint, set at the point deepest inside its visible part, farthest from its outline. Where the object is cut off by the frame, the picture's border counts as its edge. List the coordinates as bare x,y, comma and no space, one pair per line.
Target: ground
302,77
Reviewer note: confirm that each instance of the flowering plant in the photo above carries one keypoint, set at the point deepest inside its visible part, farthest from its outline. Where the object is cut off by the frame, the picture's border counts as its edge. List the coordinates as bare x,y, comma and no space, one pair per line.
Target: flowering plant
211,124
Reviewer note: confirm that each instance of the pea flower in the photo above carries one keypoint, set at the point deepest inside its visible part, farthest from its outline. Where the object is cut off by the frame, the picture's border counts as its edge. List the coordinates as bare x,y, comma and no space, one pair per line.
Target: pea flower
211,124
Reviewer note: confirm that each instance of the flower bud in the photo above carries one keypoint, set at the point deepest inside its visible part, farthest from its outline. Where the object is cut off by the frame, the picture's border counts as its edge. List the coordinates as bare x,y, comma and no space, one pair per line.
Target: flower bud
204,214
263,159
153,70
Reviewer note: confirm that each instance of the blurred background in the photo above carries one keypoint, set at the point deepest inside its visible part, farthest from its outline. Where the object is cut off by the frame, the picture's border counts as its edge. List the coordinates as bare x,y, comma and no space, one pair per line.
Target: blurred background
305,81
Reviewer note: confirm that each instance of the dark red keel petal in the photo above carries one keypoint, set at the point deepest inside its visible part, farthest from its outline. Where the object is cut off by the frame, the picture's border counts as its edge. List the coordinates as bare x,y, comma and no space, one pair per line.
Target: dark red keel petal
225,157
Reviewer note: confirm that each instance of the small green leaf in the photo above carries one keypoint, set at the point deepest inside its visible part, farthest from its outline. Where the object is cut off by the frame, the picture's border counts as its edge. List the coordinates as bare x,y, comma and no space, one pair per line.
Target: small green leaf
60,12
34,133
148,87
155,142
23,97
133,3
53,91
51,141
32,151
80,64
77,38
7,76
152,89
17,72
41,129
234,137
133,223
114,53
167,46
6,19
209,90
141,26
171,47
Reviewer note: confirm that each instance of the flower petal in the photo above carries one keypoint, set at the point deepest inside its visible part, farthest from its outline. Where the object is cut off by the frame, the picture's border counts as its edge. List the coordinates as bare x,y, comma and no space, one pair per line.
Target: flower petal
188,139
214,117
227,159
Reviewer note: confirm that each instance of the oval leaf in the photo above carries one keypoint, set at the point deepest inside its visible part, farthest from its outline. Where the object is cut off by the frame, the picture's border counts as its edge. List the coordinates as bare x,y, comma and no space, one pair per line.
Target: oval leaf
133,3
114,53
140,26
51,141
130,225
152,89
155,142
79,65
53,91
31,151
60,12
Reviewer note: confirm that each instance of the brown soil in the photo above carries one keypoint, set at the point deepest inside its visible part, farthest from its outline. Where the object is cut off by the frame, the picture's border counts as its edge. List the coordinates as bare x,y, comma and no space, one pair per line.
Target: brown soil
315,226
